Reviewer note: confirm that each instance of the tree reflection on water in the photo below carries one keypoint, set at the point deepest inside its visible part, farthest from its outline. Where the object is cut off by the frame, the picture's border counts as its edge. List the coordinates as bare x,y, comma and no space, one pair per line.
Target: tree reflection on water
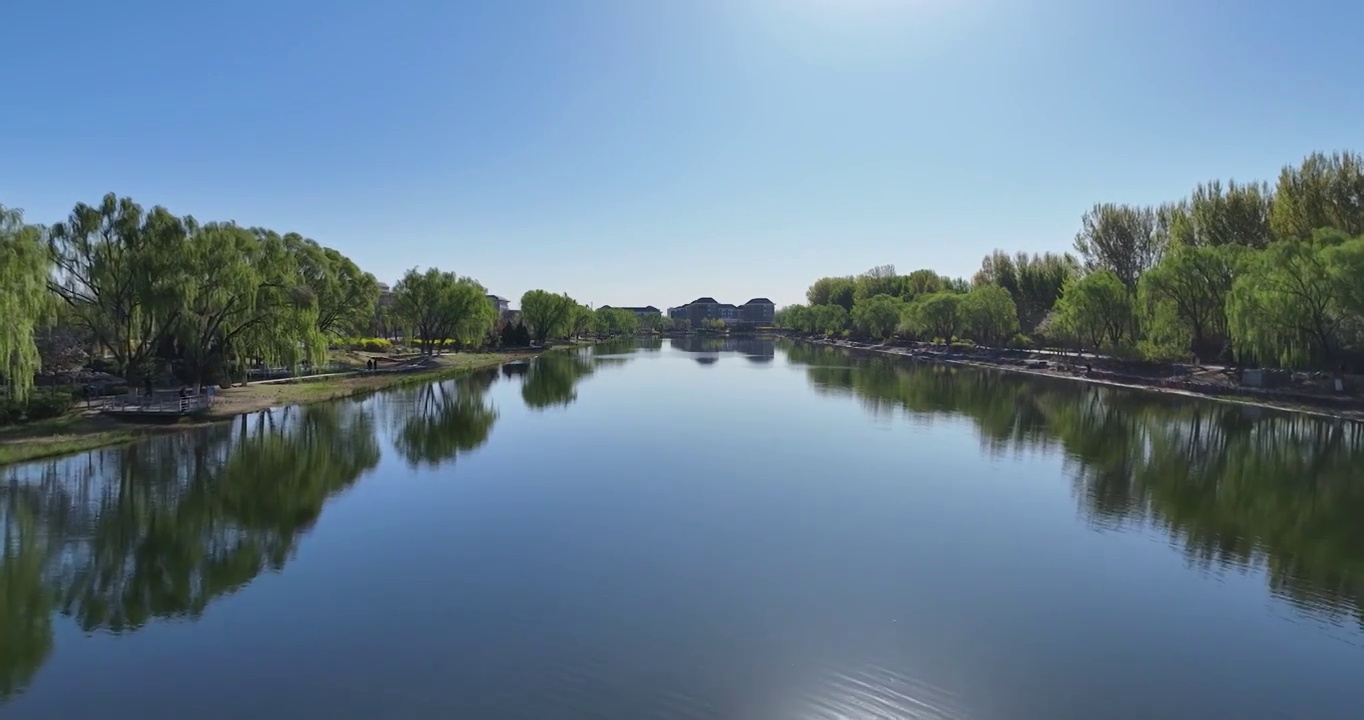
1235,486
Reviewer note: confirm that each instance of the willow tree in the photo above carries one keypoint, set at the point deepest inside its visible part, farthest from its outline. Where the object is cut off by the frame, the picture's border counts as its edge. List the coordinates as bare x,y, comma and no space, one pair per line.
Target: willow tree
1294,303
1097,309
1182,300
244,301
615,321
24,266
989,315
935,315
346,296
441,305
548,314
878,315
119,271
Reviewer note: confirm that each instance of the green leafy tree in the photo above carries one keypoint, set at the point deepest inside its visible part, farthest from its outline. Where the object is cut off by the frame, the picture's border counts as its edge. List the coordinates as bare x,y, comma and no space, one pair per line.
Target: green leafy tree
1121,239
793,317
1217,215
548,315
120,272
615,321
839,291
1323,191
989,315
828,319
344,294
1294,302
1183,299
935,315
922,282
877,316
880,280
24,301
243,299
1033,281
441,305
651,322
1098,310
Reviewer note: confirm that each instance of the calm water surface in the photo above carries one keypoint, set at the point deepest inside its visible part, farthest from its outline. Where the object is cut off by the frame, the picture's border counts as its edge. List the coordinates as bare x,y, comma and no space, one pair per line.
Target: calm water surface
693,529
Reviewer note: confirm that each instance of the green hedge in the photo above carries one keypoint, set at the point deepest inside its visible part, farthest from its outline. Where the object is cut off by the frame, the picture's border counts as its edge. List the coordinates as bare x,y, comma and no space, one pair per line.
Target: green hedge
374,345
41,405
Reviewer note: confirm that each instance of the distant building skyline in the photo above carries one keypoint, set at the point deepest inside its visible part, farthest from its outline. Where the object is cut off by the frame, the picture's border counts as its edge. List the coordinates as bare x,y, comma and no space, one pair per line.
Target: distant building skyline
758,310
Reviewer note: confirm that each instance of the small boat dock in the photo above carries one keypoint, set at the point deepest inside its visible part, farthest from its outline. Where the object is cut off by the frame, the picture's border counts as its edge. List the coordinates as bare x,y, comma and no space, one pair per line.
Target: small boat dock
159,406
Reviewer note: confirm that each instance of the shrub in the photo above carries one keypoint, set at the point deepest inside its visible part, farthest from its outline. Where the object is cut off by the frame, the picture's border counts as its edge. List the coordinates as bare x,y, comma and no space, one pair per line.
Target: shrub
374,345
1019,340
40,405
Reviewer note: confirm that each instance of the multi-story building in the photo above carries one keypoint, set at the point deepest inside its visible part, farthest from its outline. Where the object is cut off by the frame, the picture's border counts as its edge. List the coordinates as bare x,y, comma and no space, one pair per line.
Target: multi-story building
642,312
758,311
500,304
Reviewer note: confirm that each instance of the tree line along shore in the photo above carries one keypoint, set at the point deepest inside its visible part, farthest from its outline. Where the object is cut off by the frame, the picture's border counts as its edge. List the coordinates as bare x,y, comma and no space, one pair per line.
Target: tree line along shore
140,296
1237,273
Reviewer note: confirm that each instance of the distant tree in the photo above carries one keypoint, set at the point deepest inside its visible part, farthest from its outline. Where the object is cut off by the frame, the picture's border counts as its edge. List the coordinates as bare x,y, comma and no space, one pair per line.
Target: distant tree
1324,191
24,302
880,280
1182,300
989,315
1216,215
833,291
828,319
935,315
581,320
792,317
1293,303
878,315
1121,239
441,305
1034,282
61,347
1097,309
548,315
615,321
650,322
922,282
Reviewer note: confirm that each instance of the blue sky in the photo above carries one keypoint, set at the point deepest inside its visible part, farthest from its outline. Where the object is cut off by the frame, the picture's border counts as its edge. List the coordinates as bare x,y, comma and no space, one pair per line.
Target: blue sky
651,151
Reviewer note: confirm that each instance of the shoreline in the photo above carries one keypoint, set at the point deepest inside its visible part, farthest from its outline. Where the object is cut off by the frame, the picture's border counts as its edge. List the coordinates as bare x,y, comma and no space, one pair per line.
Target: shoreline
84,430
1299,405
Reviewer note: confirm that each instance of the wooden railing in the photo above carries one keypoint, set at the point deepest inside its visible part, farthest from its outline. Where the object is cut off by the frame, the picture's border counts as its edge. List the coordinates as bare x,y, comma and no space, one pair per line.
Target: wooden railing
161,404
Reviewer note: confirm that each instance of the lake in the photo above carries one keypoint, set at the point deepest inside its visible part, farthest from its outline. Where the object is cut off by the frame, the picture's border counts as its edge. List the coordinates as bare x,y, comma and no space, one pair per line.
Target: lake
698,529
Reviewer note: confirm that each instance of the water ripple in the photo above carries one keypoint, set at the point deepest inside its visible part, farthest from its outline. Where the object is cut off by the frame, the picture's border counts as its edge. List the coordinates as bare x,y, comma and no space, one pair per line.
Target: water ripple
876,692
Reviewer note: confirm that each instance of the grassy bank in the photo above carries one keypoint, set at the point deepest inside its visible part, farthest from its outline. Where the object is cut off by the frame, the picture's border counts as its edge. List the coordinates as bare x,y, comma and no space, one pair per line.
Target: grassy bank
87,430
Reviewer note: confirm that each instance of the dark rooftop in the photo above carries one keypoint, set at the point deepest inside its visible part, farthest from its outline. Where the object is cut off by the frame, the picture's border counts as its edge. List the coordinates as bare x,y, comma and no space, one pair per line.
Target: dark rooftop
704,301
760,301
